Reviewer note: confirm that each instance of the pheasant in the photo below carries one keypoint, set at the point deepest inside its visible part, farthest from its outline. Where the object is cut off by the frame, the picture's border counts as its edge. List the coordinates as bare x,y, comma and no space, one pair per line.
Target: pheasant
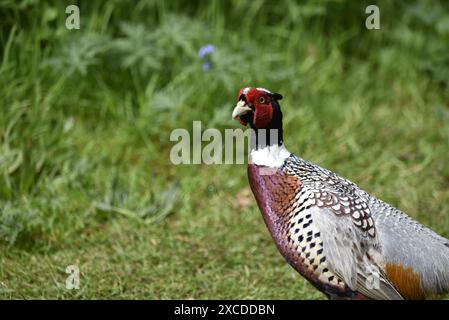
345,242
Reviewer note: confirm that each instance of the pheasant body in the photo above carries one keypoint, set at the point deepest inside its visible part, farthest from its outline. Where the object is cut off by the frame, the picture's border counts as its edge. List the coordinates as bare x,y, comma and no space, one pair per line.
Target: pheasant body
295,199
347,243
283,207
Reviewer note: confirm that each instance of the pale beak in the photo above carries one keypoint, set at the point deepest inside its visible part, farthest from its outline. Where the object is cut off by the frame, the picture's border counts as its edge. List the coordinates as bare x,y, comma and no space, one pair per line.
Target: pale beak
240,109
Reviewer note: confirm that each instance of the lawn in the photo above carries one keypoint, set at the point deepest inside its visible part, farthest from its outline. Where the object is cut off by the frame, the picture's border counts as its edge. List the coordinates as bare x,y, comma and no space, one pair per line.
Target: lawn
86,115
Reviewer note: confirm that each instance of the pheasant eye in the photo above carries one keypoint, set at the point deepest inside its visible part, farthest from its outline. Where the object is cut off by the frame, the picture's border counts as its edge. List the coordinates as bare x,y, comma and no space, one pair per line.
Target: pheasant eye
262,100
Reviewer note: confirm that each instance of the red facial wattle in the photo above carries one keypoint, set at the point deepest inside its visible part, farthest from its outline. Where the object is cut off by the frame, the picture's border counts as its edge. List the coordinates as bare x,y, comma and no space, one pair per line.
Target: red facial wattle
262,116
263,111
259,101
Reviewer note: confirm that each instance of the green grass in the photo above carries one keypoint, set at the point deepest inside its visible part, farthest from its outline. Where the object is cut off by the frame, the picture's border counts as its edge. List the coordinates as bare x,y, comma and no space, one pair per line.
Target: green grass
86,115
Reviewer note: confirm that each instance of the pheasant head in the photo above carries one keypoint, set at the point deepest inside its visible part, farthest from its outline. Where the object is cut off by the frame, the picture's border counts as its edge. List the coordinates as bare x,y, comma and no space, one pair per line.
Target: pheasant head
257,107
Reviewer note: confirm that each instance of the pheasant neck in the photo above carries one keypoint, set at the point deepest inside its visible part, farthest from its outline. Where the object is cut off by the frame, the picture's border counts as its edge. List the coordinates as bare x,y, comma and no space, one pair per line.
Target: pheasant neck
272,134
268,149
272,156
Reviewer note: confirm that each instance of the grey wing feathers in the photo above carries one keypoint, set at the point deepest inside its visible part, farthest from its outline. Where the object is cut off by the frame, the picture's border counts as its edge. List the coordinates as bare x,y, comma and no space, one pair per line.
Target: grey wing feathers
406,242
351,256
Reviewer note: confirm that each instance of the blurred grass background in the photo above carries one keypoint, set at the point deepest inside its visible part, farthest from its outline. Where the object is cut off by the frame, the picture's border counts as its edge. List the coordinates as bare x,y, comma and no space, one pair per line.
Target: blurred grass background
86,115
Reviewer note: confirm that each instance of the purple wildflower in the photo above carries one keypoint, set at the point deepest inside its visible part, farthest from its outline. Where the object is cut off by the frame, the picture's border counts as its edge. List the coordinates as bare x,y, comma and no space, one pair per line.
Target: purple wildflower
206,65
204,54
206,50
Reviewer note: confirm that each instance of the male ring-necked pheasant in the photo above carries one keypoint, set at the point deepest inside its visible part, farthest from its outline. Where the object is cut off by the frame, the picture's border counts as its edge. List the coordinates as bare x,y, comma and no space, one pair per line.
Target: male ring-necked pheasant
347,243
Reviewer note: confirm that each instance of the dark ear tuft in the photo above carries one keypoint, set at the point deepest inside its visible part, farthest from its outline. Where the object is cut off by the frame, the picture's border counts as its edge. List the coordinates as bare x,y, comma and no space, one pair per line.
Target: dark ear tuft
277,96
